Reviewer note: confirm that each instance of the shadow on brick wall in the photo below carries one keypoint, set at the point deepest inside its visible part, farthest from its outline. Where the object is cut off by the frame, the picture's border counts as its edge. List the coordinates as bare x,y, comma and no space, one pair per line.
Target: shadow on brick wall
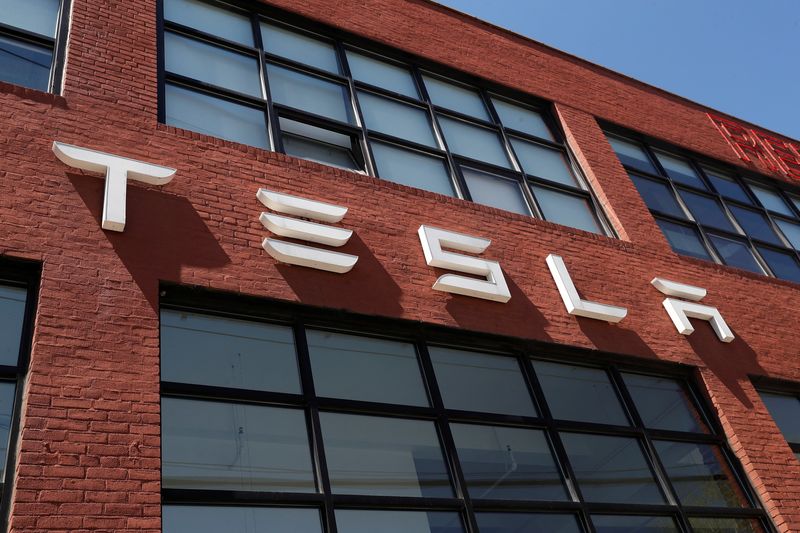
614,338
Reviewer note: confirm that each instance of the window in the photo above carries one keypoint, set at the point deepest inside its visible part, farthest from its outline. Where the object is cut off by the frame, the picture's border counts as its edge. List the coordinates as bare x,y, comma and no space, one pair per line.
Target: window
245,78
292,421
713,214
785,410
31,42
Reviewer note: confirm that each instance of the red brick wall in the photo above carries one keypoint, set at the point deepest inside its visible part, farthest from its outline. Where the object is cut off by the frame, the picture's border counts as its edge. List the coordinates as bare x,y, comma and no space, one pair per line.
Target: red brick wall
89,450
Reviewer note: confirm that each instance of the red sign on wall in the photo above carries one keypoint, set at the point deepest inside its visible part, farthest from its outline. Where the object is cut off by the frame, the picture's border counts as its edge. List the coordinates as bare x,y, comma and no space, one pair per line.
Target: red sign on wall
770,152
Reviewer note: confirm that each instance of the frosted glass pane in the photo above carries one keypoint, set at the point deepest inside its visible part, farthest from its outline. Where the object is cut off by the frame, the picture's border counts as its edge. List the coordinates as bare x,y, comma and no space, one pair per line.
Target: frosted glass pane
318,144
771,200
234,519
563,208
12,316
307,93
474,142
395,118
454,97
212,64
412,168
522,119
632,155
210,19
381,74
213,116
37,16
495,191
299,47
543,162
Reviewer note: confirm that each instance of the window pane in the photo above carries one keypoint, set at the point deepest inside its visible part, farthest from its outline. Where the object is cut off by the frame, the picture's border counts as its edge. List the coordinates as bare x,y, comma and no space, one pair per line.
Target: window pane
633,524
318,144
658,196
699,474
234,519
362,368
454,97
210,19
306,93
735,253
216,117
394,118
566,209
725,525
12,316
488,189
664,403
785,410
526,522
474,142
770,199
299,47
412,168
683,239
381,74
212,64
706,211
362,521
727,187
755,224
472,381
543,162
227,446
680,170
795,200
632,155
522,119
25,64
791,231
783,265
611,469
502,463
7,393
384,456
579,393
37,16
223,352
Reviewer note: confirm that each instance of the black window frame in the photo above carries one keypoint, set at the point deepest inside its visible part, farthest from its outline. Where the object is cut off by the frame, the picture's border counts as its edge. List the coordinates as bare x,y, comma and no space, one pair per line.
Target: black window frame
57,44
362,135
699,163
299,317
783,388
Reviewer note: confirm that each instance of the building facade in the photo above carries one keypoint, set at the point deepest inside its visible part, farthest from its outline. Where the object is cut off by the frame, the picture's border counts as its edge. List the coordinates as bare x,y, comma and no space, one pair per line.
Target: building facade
378,266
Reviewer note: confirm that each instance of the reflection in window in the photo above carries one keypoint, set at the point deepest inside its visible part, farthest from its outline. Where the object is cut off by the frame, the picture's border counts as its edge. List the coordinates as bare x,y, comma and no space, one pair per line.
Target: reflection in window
12,313
299,47
363,521
785,410
735,253
657,196
309,93
412,168
496,191
455,97
474,142
397,119
725,525
319,144
27,49
566,209
519,522
683,239
210,19
634,524
215,519
381,74
664,403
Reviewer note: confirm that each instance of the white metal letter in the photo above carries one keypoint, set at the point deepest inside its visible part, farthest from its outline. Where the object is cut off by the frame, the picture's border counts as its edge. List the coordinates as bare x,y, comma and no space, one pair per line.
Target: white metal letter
573,302
118,170
299,254
680,311
492,288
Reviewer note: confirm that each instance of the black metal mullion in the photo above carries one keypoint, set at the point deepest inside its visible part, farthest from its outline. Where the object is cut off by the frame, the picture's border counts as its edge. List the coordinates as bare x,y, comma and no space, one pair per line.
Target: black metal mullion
28,36
209,38
405,143
273,121
316,120
60,47
214,90
303,68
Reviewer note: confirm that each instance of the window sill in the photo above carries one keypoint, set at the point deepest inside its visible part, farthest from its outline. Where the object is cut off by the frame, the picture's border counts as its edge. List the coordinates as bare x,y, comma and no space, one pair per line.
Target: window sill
34,95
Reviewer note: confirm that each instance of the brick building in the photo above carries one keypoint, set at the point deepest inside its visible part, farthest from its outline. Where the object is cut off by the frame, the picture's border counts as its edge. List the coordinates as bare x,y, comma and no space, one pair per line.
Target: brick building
377,266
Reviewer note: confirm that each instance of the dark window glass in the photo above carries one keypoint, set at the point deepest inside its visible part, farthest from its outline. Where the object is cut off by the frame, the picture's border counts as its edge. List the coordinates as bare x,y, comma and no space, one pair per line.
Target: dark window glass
381,74
384,456
785,410
707,211
364,368
472,381
543,162
308,93
771,200
566,209
37,16
632,155
664,403
634,524
680,170
579,393
474,142
362,521
318,144
228,446
725,525
658,196
495,191
235,519
412,168
205,17
503,463
735,253
298,47
683,239
12,315
611,469
213,116
223,352
455,97
783,265
24,63
395,118
755,224
791,231
7,393
727,187
699,474
522,119
527,522
795,200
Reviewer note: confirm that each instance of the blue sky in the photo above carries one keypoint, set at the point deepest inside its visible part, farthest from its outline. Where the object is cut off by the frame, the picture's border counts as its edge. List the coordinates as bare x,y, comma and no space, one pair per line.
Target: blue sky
738,56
